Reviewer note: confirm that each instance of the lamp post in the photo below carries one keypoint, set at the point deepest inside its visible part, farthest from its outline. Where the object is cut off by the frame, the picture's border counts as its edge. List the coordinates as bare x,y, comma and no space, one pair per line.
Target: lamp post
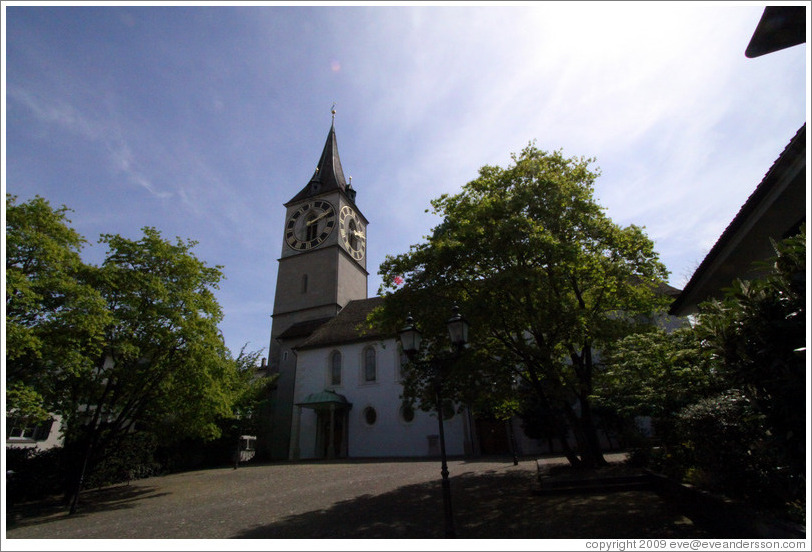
410,339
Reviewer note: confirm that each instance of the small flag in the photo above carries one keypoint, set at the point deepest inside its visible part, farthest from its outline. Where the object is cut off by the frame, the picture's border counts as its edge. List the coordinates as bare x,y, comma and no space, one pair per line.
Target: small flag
398,280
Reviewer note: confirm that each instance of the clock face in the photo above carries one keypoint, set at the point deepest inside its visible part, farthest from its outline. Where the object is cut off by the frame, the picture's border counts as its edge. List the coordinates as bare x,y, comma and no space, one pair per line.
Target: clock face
310,225
351,231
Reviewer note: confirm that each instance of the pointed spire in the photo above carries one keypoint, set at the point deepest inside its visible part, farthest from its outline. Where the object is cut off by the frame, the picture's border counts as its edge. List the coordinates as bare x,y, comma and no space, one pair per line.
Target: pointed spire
328,174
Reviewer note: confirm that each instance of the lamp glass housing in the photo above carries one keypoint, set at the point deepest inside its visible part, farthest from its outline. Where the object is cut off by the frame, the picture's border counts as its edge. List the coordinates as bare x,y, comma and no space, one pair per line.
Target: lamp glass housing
410,337
458,328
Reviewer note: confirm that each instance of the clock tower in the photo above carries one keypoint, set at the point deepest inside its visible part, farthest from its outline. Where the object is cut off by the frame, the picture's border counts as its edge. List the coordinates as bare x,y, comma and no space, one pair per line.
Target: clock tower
322,267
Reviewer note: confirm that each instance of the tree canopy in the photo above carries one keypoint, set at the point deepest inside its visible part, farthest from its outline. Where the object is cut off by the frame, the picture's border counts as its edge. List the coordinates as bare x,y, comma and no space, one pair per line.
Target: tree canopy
727,394
53,315
656,374
164,357
132,344
544,277
758,336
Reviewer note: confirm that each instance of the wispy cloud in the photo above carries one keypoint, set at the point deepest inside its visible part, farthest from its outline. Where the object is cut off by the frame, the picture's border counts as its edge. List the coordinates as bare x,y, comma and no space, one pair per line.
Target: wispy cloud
646,89
183,169
124,162
52,111
207,121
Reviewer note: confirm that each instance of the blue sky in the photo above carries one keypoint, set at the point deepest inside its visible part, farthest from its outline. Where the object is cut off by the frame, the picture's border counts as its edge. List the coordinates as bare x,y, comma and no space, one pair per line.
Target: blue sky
203,121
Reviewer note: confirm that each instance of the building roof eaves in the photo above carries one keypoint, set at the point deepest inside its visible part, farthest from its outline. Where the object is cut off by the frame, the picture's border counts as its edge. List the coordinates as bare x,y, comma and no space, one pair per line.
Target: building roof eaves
349,326
303,329
796,147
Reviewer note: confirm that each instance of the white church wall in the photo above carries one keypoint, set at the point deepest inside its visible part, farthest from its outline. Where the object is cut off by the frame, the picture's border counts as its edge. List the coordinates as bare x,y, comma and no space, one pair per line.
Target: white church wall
390,435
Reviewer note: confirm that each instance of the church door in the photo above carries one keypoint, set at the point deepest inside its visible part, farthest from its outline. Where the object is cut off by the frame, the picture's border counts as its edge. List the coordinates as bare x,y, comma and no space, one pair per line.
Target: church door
493,437
324,447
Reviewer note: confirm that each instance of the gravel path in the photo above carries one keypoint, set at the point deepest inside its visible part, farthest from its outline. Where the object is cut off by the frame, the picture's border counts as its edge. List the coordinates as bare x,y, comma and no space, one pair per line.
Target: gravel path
352,499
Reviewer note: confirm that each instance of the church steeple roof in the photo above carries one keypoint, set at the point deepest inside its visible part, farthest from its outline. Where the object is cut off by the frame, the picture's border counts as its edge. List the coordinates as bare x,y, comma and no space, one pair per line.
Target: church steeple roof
328,175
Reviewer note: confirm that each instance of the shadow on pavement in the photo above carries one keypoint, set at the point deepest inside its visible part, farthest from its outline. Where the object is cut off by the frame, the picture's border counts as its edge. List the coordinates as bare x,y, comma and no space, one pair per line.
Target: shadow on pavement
487,505
106,499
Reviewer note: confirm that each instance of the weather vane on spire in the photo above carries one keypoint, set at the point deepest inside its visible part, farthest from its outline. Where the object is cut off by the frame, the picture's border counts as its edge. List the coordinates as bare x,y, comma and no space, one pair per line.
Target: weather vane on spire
333,111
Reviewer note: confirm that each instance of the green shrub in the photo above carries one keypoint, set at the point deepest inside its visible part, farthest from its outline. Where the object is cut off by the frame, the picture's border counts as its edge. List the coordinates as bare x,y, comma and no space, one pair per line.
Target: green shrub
37,473
726,448
132,457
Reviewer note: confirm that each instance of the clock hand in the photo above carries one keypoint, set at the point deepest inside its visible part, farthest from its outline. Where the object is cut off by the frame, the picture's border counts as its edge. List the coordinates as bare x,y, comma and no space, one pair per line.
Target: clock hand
318,218
359,234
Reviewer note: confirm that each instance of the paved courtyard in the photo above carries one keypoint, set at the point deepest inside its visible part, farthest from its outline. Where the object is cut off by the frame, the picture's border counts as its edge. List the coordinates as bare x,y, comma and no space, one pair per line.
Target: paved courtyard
353,499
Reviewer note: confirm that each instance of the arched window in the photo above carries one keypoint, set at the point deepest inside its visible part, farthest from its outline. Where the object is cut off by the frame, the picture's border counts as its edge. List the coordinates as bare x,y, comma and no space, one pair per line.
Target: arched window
370,370
403,362
335,368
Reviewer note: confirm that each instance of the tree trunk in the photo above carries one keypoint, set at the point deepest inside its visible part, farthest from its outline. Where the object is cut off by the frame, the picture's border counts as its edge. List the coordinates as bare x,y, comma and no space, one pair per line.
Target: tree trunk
589,449
588,442
561,434
572,458
559,431
80,479
590,433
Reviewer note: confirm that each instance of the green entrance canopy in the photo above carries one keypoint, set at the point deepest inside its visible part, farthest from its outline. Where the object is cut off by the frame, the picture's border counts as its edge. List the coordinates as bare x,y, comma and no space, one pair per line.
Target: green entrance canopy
324,398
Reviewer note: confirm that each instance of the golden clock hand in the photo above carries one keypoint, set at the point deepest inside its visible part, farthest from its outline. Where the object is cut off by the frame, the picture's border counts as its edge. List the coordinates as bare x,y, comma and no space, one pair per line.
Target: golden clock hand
318,218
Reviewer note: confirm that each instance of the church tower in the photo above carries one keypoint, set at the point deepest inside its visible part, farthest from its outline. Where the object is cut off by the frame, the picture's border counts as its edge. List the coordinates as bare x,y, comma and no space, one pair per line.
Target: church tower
322,267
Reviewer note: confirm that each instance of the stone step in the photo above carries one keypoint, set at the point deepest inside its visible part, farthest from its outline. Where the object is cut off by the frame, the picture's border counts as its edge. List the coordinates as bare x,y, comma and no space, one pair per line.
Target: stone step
551,485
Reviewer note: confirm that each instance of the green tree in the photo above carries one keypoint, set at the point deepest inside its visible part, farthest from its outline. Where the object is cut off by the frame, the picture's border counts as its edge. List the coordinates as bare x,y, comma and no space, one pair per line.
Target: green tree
252,400
54,318
656,374
250,409
164,366
545,278
130,346
729,392
758,334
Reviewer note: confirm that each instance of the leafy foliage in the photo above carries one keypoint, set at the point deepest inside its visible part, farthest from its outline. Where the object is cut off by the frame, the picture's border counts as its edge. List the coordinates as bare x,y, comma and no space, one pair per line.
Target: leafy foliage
728,394
164,359
24,404
130,346
723,430
33,474
758,333
52,314
655,374
252,402
132,458
544,277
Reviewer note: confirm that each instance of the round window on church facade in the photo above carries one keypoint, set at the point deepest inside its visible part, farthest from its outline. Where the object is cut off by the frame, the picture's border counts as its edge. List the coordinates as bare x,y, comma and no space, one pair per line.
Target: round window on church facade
407,413
370,416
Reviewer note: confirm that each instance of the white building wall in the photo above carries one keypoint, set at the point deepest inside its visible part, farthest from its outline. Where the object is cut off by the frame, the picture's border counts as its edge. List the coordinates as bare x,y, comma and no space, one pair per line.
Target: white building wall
53,439
390,435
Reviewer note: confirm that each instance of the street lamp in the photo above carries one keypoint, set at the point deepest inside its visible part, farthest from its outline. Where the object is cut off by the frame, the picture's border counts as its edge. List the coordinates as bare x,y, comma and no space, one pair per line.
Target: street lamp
410,339
457,328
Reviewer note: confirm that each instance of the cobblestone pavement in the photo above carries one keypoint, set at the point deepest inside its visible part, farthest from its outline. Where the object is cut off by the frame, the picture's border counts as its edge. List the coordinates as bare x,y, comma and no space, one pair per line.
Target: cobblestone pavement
492,498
